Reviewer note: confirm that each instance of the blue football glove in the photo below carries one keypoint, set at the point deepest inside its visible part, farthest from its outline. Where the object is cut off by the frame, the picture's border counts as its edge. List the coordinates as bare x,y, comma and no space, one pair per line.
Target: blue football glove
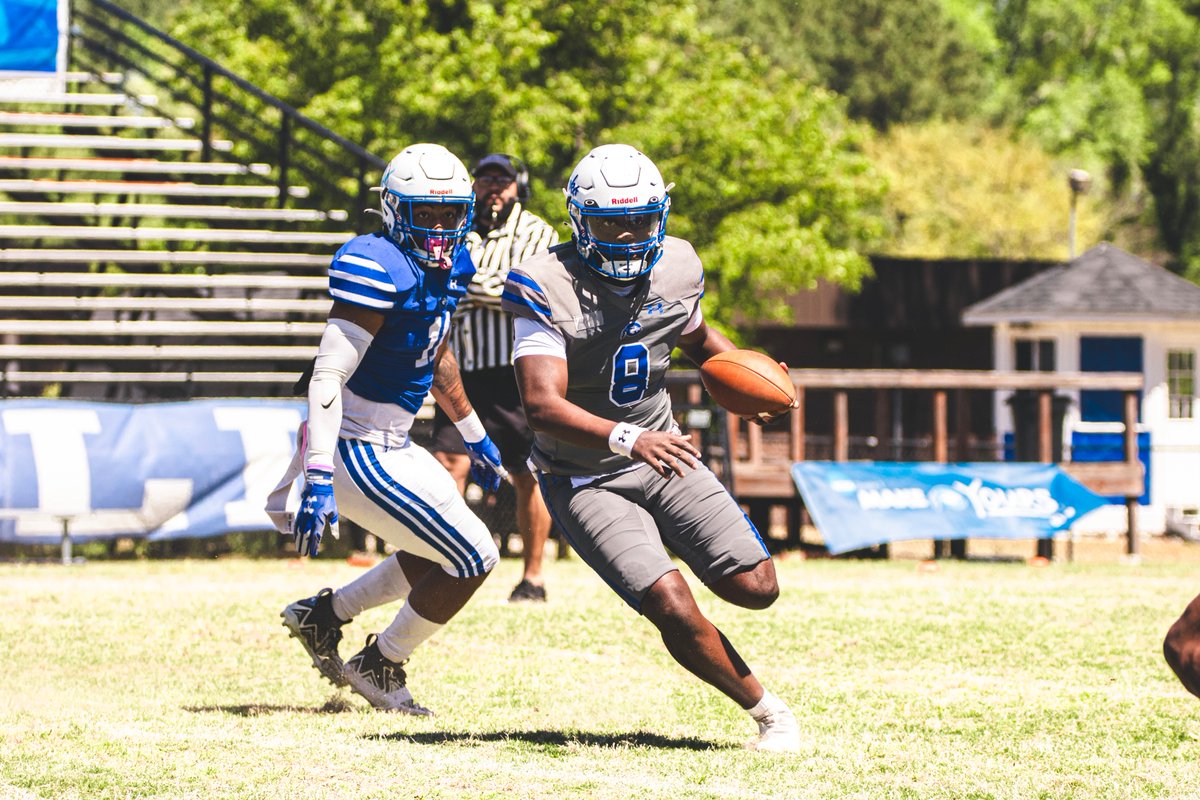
317,508
486,469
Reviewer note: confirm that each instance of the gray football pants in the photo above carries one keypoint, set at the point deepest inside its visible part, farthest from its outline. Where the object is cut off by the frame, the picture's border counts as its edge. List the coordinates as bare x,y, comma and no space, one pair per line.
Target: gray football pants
623,524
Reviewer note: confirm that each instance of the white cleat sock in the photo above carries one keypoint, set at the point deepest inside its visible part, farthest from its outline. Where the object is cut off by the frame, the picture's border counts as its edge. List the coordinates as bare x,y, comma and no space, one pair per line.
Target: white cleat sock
406,632
381,584
778,731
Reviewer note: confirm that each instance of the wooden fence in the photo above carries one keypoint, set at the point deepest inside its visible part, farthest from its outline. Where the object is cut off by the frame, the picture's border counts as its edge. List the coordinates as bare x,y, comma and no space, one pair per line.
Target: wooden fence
759,460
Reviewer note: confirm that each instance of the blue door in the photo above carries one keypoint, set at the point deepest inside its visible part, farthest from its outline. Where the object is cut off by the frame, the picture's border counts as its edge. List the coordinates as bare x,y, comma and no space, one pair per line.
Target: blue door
1108,354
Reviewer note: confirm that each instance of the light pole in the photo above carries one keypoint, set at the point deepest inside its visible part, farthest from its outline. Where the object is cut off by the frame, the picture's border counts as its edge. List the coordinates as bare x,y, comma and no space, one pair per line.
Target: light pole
1080,181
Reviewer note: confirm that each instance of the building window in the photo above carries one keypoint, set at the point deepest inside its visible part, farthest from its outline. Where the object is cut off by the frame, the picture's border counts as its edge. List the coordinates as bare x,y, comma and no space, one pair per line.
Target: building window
1034,355
1181,383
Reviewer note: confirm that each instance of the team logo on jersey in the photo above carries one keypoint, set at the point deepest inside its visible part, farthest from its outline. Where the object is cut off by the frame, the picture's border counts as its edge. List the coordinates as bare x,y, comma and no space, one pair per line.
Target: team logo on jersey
632,329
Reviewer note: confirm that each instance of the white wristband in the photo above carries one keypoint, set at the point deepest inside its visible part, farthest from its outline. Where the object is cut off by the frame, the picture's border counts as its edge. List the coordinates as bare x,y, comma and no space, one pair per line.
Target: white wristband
621,440
471,428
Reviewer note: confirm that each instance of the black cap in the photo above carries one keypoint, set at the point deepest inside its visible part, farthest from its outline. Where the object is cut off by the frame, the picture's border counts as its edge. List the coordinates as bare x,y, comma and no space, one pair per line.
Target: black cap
500,160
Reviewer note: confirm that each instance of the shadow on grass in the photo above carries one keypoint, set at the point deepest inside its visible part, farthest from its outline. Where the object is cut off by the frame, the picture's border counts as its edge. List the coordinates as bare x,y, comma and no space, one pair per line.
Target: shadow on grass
335,705
556,739
543,738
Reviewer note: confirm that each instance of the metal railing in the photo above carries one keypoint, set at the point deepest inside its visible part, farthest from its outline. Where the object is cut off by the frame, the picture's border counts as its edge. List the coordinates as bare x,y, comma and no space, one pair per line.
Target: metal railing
106,38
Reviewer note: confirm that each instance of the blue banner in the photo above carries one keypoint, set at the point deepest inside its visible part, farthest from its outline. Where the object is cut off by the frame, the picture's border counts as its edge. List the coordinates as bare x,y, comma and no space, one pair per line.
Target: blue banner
165,471
863,504
30,35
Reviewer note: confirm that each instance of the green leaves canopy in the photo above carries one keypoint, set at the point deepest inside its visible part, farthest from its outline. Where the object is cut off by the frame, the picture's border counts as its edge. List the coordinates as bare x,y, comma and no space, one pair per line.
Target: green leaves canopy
771,185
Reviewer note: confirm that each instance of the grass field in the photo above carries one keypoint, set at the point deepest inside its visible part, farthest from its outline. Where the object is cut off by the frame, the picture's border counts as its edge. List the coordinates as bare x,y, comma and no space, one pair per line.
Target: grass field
174,679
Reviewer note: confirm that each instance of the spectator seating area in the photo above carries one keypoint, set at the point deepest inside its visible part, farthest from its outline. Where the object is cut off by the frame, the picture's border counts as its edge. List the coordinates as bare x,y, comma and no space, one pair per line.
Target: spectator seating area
133,269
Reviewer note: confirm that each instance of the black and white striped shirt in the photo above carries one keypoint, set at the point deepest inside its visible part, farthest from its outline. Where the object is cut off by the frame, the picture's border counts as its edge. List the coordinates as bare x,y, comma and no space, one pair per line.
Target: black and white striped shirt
482,334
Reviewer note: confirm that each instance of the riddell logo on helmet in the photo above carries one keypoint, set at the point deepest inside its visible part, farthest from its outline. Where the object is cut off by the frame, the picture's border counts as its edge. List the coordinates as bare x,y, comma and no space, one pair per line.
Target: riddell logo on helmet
440,191
624,201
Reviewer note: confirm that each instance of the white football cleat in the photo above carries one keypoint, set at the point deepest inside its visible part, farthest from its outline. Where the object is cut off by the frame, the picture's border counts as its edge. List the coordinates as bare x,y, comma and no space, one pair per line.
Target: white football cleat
778,732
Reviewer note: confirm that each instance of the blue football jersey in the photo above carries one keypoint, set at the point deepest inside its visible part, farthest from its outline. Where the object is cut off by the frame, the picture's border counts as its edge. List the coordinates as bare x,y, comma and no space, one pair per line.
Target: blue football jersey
416,303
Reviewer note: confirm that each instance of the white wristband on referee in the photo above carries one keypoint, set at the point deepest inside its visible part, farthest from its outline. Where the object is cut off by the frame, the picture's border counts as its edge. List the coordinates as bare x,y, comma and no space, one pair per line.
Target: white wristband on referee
471,428
621,440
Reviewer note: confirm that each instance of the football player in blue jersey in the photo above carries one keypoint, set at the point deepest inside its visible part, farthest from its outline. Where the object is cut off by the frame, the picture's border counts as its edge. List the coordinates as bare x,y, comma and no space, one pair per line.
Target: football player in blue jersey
382,351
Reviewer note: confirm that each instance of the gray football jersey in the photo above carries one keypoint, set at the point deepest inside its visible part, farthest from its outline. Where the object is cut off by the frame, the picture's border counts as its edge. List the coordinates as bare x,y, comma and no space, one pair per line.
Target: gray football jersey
618,347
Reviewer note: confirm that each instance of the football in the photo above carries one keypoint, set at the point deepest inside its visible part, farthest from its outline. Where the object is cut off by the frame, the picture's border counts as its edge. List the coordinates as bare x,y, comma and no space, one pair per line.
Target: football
746,382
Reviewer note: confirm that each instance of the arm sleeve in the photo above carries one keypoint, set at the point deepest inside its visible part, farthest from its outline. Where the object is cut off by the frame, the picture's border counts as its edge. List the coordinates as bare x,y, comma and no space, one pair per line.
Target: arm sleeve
532,337
342,347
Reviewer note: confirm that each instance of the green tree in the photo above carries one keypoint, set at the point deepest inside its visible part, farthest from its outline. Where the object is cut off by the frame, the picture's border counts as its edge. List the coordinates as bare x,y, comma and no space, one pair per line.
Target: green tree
893,60
776,196
1117,82
965,190
772,185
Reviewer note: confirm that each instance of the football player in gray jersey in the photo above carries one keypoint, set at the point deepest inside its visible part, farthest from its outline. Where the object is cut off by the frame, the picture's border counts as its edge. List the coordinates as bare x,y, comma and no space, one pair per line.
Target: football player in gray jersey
595,321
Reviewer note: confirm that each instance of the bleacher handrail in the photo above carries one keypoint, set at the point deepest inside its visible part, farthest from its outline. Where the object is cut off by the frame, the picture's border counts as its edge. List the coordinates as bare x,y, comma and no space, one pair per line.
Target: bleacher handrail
289,116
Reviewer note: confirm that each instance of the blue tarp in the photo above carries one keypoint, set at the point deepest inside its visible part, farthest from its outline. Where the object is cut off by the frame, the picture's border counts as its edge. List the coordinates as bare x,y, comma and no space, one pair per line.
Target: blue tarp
166,471
863,504
30,36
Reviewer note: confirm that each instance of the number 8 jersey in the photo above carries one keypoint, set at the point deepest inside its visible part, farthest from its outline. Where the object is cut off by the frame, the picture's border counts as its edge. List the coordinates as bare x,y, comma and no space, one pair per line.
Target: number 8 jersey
618,343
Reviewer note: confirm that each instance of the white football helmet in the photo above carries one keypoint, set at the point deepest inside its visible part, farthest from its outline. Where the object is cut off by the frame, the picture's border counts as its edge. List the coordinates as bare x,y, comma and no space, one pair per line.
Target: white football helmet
617,180
426,173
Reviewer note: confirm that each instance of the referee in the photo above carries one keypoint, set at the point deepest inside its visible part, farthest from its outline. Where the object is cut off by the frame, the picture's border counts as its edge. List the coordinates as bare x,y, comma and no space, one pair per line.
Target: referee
505,234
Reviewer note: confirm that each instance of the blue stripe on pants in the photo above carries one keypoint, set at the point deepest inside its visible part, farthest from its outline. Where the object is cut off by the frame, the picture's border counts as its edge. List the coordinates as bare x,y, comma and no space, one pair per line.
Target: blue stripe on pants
414,513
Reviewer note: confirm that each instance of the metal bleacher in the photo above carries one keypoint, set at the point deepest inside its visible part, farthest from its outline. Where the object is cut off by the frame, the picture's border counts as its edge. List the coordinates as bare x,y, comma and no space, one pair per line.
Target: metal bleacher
165,226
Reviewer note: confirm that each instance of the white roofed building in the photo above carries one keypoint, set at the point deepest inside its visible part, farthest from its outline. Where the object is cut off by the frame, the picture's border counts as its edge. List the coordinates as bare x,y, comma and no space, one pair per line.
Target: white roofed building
1110,311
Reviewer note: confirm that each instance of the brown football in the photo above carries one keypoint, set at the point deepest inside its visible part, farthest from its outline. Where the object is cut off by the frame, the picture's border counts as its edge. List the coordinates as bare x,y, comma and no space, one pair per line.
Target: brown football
746,382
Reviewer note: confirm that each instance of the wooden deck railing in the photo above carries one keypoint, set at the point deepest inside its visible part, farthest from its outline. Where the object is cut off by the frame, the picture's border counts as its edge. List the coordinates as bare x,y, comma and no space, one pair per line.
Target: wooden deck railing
760,473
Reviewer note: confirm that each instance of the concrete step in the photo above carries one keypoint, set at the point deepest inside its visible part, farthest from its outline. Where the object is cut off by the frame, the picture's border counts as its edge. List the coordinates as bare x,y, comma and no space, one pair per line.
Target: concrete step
137,165
169,210
32,119
143,188
148,234
36,257
68,141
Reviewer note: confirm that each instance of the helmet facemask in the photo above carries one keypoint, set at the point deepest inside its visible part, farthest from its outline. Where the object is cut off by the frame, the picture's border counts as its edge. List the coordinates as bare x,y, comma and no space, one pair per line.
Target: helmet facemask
420,178
603,240
431,246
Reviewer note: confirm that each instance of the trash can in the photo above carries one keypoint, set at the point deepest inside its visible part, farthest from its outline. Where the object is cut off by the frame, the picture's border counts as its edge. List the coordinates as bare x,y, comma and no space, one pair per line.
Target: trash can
1024,405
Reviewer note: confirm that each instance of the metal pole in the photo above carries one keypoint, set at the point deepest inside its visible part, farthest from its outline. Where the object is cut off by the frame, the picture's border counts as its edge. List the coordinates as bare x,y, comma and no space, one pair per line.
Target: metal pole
206,116
1071,228
363,193
1080,181
285,138
66,541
